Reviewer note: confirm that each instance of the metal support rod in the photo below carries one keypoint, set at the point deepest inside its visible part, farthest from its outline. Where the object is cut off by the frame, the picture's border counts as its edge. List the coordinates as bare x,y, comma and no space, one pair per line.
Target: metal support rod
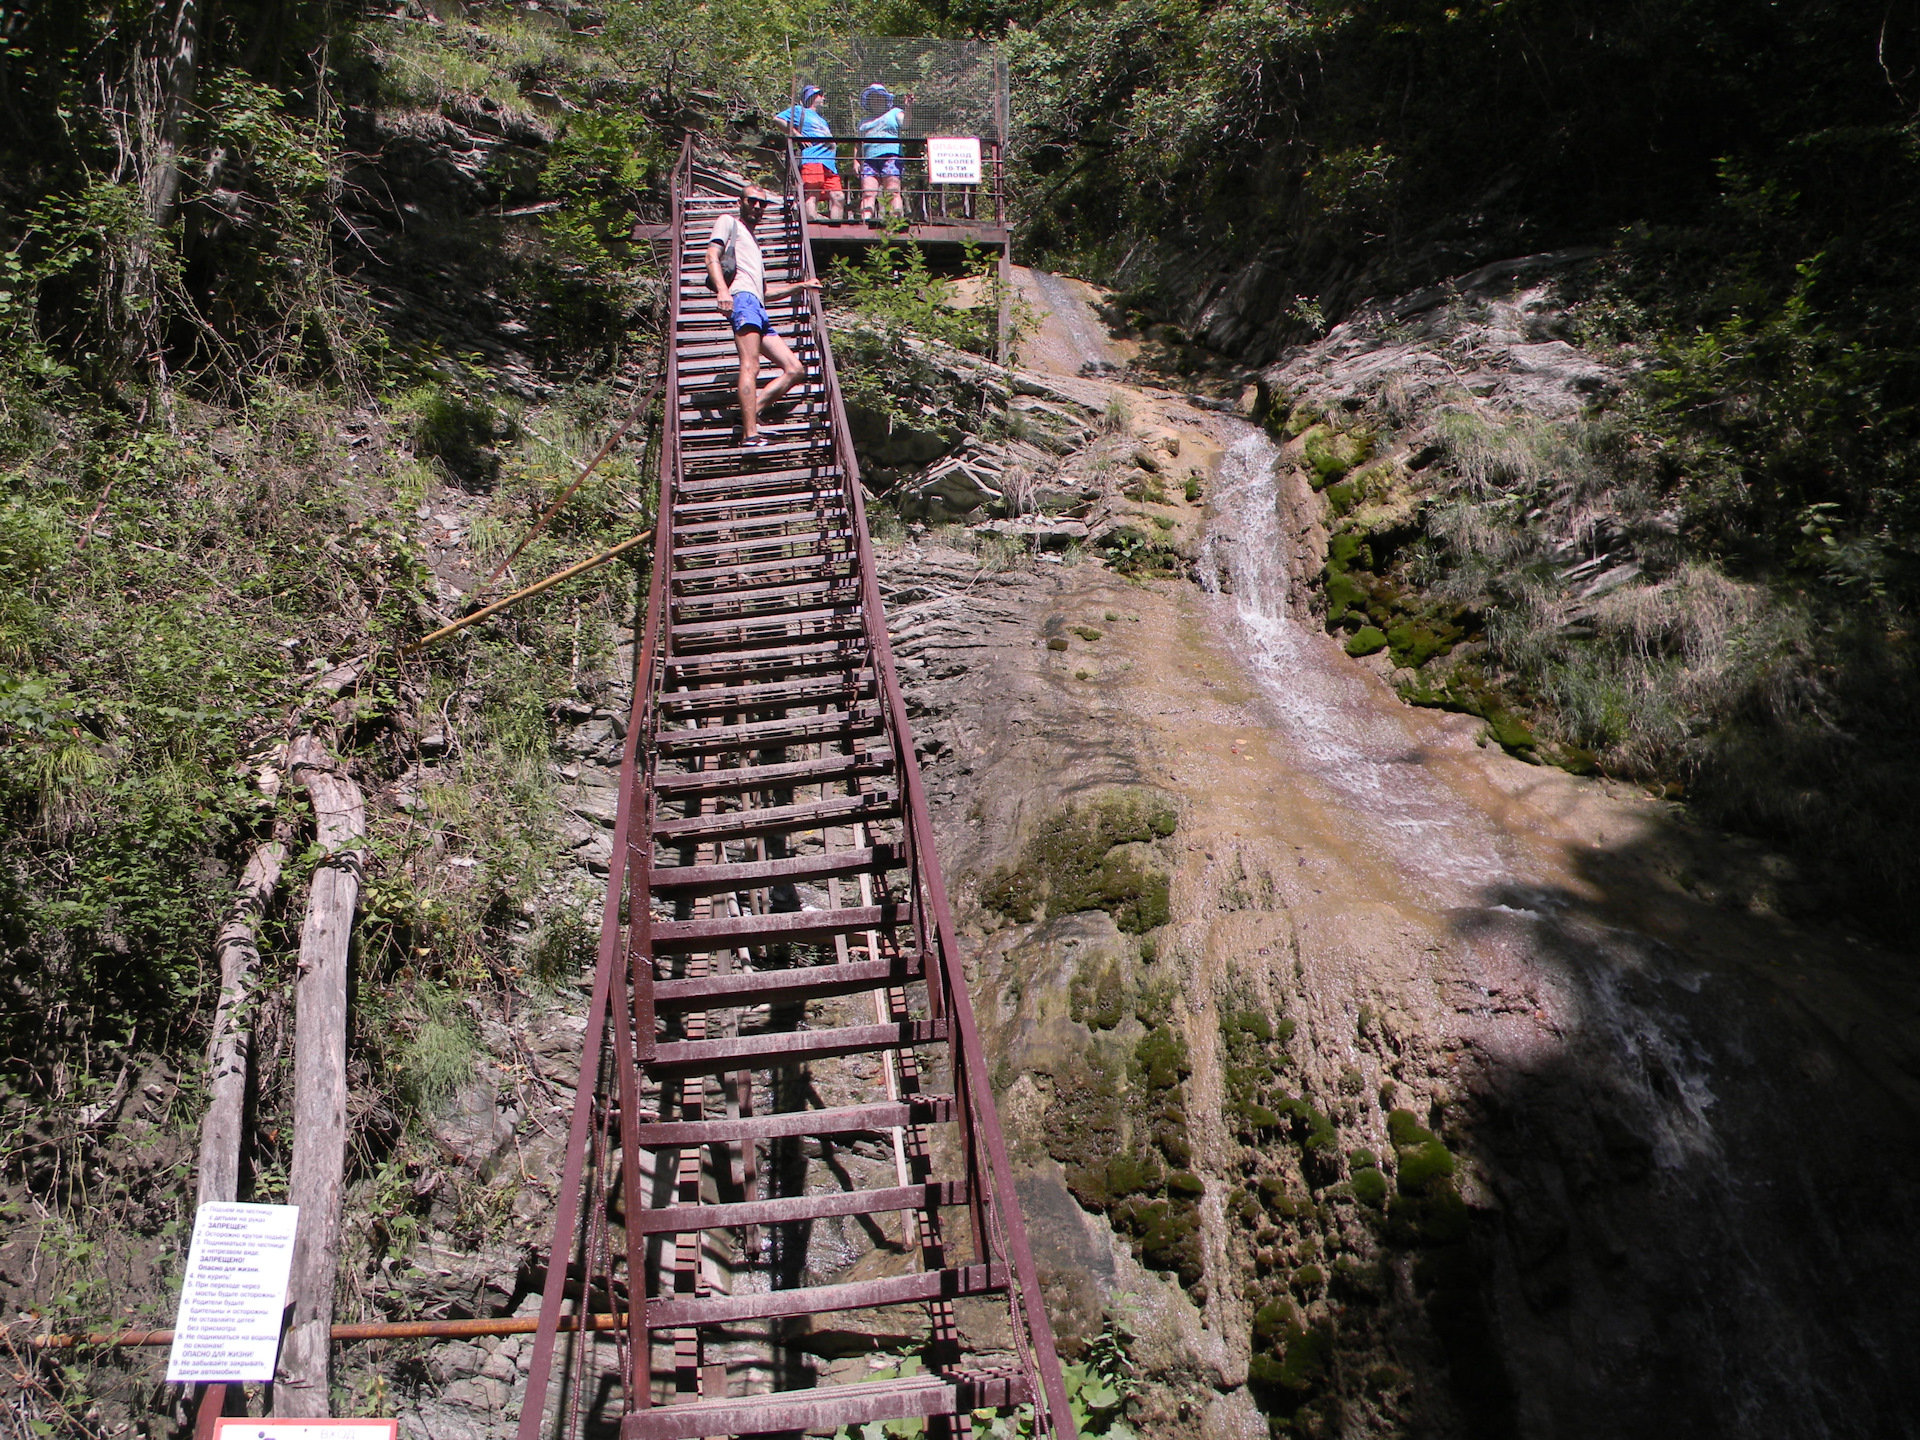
359,1330
533,589
567,494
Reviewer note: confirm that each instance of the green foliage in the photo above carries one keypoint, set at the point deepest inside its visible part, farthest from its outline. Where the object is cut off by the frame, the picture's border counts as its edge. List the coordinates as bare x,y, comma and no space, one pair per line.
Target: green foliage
439,1053
894,293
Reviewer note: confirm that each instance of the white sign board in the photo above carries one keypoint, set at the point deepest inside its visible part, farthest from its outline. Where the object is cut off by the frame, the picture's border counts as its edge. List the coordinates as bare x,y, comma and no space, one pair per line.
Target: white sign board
308,1430
228,1327
953,160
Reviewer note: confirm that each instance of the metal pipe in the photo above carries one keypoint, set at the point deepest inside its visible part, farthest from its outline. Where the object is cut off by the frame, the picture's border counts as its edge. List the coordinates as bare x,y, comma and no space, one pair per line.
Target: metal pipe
533,589
359,1330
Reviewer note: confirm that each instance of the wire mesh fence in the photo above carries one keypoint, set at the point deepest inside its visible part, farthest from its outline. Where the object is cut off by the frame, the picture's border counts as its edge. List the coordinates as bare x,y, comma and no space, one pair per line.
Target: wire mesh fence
886,98
955,86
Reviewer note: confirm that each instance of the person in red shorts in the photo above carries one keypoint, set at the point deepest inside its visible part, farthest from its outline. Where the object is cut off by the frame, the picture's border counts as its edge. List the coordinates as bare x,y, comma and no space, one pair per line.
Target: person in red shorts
819,161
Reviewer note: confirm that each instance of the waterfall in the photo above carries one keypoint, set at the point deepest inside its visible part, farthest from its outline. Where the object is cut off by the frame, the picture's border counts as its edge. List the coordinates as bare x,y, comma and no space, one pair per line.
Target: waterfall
1334,721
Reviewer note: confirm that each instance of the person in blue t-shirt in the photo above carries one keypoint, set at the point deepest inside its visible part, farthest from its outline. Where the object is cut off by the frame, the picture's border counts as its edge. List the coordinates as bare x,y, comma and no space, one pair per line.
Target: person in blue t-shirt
819,161
880,162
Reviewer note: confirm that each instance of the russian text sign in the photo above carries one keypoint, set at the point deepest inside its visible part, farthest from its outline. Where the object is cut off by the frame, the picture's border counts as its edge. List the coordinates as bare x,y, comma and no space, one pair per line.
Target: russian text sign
953,160
308,1430
228,1327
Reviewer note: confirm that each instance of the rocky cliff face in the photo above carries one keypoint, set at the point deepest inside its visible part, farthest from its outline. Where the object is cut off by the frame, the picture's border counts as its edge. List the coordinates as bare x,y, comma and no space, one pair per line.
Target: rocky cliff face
1452,1094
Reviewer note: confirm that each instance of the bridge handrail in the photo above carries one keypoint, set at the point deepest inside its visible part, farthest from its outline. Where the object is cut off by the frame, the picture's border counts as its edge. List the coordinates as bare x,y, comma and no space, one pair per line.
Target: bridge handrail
1052,1414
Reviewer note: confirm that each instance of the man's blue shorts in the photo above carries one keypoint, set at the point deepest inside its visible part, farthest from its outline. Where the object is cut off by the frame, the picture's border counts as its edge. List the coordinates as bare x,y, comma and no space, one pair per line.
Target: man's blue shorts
749,313
881,165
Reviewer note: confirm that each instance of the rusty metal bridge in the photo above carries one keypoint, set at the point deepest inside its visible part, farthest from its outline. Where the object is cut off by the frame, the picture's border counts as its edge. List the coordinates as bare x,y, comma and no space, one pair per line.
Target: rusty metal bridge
783,1134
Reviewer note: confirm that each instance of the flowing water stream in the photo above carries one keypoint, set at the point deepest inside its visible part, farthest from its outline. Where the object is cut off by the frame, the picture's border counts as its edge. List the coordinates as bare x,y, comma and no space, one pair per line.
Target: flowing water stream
1330,717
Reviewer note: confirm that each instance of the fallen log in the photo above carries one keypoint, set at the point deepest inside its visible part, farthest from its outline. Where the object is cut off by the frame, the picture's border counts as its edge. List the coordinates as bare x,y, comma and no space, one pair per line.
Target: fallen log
315,1176
229,1048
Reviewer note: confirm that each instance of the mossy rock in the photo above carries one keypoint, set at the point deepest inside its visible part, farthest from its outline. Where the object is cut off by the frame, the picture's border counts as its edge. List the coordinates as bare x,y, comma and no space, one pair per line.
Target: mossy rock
1362,1157
1404,1128
1309,1277
1349,551
1344,593
1301,1361
1249,1023
1160,1059
1087,633
1165,1235
1469,694
1369,1187
1186,1183
1133,1173
1254,1118
1343,497
1331,454
1057,642
1071,864
1415,642
1509,731
1273,1191
1367,640
1423,1163
1273,1320
1302,417
1175,1145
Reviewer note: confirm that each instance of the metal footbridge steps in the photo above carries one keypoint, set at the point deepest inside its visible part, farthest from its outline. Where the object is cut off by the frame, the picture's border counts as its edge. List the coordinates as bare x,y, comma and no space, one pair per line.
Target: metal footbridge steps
783,1145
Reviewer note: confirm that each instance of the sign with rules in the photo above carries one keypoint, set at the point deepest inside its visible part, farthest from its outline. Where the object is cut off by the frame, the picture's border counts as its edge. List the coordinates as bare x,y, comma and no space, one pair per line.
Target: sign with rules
235,1287
953,160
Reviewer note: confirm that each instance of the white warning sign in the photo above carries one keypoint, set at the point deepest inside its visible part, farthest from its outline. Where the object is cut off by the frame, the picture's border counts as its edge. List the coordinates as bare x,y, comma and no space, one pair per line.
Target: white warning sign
953,160
228,1327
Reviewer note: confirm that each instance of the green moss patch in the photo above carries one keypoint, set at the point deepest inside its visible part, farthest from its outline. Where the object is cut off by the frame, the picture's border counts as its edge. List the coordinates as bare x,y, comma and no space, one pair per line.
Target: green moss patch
1330,454
1076,863
1369,1187
1467,692
1367,640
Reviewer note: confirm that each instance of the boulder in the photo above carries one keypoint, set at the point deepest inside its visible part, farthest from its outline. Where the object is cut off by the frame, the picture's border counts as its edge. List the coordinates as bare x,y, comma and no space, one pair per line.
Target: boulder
952,488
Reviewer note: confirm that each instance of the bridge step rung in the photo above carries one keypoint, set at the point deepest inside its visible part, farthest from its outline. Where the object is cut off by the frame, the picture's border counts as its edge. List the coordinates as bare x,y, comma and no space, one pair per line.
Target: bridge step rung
719,636
824,479
761,874
827,1408
771,657
765,576
685,1219
841,589
950,1284
797,927
788,1047
832,770
775,819
856,684
785,987
872,1119
855,724
813,512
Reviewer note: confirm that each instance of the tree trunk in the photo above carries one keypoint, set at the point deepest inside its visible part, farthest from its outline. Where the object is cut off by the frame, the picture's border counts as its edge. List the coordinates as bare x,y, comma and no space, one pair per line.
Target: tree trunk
179,71
319,1080
228,1051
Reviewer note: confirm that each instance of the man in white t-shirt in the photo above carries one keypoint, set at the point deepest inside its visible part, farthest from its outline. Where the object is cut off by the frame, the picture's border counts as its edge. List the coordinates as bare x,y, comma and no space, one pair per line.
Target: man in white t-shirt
744,298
